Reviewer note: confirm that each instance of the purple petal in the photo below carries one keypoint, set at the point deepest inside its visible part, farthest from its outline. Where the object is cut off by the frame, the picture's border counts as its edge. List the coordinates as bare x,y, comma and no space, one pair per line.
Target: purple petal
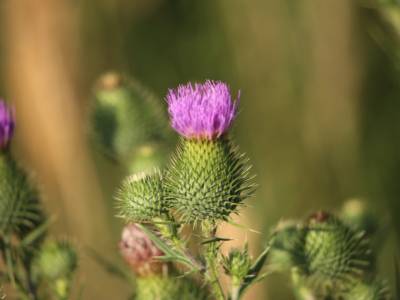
201,111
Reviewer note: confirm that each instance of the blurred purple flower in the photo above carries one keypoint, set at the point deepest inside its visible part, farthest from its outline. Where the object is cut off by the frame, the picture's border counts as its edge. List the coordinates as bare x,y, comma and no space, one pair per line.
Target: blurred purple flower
139,251
7,124
201,111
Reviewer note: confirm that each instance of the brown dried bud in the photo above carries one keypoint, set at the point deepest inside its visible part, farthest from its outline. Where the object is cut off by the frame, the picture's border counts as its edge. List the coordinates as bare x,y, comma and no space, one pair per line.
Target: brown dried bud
140,252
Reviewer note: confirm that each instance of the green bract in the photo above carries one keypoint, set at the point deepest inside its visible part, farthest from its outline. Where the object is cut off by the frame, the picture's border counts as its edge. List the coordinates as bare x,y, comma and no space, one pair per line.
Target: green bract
375,290
141,197
19,206
207,180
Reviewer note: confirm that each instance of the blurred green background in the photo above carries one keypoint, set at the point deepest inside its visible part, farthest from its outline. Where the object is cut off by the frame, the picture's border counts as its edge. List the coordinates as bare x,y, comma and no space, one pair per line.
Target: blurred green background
319,117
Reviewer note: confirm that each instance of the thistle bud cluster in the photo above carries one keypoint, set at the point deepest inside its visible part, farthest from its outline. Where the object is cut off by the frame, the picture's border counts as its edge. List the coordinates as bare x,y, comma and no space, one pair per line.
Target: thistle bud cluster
328,258
36,265
206,181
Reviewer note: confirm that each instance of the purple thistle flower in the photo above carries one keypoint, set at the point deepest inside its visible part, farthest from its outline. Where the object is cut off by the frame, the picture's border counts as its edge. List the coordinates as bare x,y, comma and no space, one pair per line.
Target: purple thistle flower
201,111
7,124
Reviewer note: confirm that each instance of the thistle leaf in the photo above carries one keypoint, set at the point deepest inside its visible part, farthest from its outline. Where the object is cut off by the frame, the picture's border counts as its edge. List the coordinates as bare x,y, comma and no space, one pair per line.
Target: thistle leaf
255,270
171,254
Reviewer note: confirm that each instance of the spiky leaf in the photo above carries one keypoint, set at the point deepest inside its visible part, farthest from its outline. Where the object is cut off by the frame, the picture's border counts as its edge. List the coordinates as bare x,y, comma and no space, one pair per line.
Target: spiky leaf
19,205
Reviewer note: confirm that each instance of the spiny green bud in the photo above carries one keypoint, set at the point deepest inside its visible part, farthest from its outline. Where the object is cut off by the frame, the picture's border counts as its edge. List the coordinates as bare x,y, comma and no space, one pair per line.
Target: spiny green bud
126,116
237,265
55,264
207,180
141,197
169,288
19,205
335,253
358,216
376,290
55,260
287,246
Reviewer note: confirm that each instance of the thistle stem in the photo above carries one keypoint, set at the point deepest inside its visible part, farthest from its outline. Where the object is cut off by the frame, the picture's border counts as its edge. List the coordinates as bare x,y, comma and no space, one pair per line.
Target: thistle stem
211,255
235,292
212,272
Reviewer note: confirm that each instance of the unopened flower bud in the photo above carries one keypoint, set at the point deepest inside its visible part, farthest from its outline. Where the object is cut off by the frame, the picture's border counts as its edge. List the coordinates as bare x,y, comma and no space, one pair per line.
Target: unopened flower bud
56,260
237,265
140,252
126,116
334,252
141,197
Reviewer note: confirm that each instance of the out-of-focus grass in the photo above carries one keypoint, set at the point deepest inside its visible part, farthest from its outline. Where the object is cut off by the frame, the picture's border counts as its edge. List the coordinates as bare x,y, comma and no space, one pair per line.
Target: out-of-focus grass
318,116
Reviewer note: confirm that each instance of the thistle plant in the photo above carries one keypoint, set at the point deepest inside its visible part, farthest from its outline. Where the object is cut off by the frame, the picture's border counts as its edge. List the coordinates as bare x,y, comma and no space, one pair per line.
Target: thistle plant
327,259
206,181
178,209
31,263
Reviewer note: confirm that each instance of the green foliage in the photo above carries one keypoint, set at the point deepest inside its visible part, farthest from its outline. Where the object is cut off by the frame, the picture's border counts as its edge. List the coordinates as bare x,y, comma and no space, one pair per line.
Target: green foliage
141,197
207,180
19,204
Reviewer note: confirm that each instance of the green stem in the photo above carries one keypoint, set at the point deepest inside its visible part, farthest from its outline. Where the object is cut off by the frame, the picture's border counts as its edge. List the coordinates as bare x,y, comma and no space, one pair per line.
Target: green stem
212,272
235,292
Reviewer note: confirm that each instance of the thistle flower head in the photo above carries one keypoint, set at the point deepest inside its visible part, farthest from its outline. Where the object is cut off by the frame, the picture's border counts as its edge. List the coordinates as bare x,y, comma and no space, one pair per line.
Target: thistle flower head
139,251
7,124
201,111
